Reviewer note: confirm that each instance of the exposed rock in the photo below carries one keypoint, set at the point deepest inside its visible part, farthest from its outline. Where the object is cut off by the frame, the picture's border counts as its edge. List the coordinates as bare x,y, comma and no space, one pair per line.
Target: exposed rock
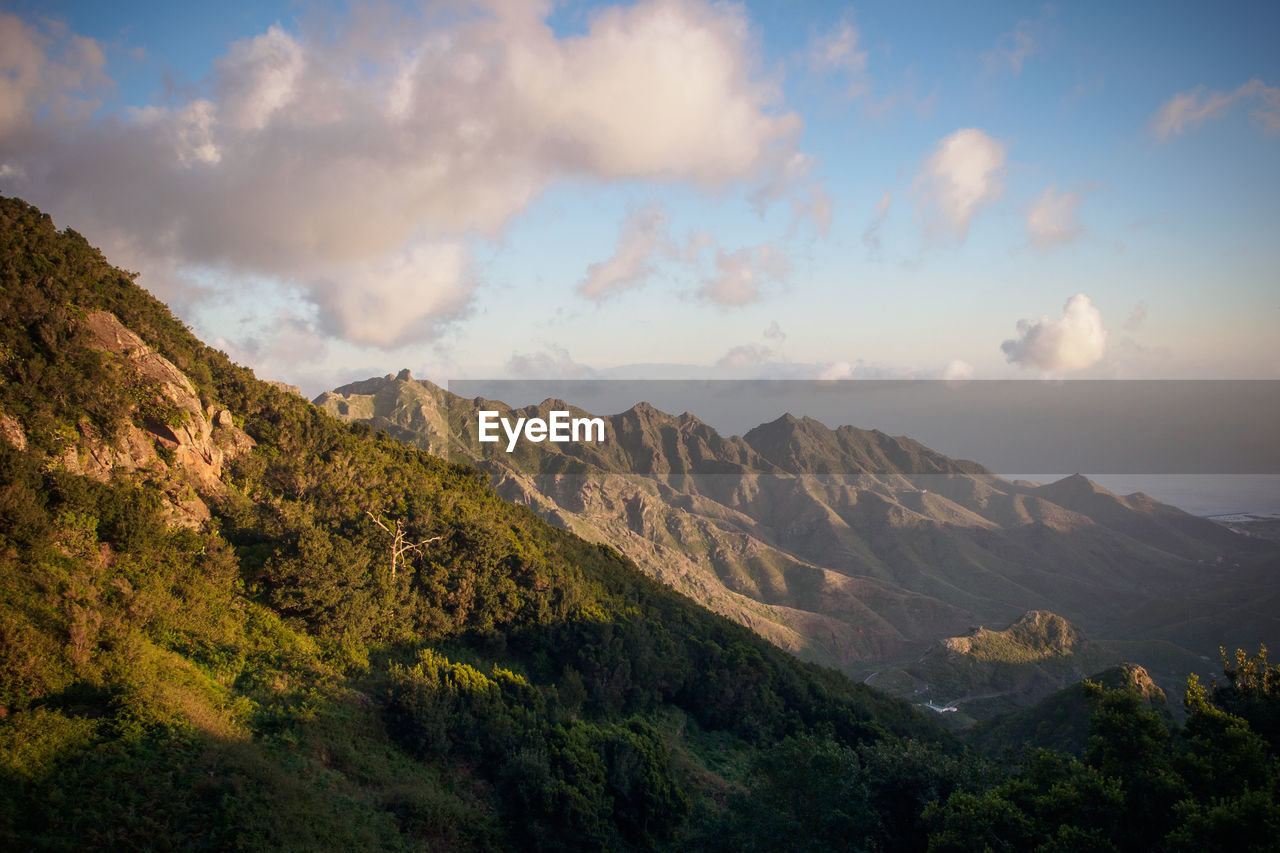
285,387
12,431
133,450
114,337
195,440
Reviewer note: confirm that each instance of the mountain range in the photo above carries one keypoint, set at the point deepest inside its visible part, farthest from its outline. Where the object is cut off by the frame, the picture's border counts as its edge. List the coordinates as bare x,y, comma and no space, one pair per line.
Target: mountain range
231,621
858,549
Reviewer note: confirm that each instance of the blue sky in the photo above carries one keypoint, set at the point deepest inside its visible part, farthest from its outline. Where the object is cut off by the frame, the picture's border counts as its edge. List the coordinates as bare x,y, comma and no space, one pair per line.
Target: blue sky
671,188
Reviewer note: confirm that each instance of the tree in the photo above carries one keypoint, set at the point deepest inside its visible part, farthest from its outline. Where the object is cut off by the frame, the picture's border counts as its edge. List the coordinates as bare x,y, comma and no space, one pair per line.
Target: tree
398,546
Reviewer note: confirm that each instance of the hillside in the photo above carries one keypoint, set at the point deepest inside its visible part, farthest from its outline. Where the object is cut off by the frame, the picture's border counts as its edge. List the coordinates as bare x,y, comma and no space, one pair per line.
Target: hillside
857,549
1060,721
231,621
988,672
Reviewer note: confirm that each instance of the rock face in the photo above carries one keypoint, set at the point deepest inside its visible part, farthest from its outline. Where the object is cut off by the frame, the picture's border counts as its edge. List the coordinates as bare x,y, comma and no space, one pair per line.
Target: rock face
184,450
987,672
12,431
285,387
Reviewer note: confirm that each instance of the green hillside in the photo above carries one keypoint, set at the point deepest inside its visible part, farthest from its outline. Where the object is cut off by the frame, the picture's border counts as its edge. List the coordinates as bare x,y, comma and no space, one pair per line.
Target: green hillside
230,621
1060,721
238,651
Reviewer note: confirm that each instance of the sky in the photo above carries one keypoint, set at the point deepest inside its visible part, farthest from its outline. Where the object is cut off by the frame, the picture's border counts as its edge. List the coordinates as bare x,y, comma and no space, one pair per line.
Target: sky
671,188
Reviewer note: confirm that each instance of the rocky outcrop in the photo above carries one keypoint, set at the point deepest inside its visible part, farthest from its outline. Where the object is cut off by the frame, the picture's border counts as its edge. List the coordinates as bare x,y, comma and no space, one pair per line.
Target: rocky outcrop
285,387
181,443
12,431
987,672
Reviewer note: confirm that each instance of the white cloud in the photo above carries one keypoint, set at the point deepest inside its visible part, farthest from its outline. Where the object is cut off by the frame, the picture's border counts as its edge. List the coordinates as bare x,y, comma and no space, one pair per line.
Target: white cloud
1189,110
954,370
839,52
41,71
659,89
395,299
774,332
1052,218
643,236
285,348
957,370
355,162
746,355
964,173
1074,341
260,77
860,369
552,363
740,275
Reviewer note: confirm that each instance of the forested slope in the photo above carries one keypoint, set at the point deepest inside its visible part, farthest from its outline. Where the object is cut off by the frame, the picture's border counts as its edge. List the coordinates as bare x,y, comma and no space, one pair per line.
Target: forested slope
229,621
164,671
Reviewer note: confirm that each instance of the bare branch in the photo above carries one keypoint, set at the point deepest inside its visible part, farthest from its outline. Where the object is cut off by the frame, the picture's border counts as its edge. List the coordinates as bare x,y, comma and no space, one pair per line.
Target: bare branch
377,521
398,546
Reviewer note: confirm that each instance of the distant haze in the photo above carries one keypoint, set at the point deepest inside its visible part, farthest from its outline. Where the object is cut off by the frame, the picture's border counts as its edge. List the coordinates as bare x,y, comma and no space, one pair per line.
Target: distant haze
1206,446
1200,494
1103,427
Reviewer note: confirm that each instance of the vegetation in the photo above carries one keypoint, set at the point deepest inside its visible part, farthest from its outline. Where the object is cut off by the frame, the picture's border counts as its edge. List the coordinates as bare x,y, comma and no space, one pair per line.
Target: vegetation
266,680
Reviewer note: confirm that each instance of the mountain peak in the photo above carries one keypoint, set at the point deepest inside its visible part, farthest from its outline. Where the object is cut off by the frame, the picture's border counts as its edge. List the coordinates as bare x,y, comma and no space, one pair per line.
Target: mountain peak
1037,634
646,411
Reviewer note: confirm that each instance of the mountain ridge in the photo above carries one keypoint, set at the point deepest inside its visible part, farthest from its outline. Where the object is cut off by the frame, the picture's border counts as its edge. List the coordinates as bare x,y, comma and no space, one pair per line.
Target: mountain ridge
356,644
847,545
364,647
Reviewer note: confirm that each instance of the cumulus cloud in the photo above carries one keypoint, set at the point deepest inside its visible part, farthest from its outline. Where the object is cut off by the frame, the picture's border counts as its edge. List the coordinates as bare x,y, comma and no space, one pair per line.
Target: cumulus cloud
740,275
964,173
956,370
42,67
839,52
1191,109
1051,220
395,298
1074,341
259,77
644,235
355,163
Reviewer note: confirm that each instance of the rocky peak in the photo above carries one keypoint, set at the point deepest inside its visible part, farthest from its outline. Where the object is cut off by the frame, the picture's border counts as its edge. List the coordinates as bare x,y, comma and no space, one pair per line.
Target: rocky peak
285,387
